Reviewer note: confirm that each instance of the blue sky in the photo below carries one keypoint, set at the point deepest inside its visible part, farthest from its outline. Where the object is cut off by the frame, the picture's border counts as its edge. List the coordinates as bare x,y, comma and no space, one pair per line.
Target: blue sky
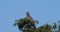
45,11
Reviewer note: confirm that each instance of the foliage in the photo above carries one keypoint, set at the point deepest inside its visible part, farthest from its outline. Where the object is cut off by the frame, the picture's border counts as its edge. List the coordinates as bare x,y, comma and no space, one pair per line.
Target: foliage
54,26
24,24
45,28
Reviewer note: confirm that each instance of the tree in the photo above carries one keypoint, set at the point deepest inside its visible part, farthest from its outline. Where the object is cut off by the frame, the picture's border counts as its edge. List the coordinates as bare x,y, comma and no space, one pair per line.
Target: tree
54,26
45,28
27,24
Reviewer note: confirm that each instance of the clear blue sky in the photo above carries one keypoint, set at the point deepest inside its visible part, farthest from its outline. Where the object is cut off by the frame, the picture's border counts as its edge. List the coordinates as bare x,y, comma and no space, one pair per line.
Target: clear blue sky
45,11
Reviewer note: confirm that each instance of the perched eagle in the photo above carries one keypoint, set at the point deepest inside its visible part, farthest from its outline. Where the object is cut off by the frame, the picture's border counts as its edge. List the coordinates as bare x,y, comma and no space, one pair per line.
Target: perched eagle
29,17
